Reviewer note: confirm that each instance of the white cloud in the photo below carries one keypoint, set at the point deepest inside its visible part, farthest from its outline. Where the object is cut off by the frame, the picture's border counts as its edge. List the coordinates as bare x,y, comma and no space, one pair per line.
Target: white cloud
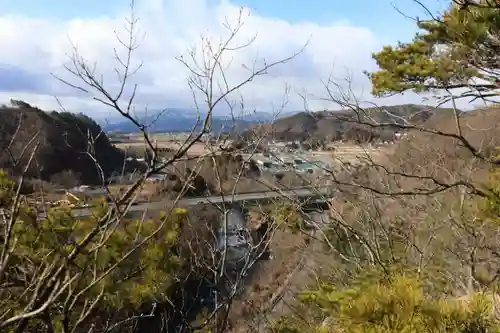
37,48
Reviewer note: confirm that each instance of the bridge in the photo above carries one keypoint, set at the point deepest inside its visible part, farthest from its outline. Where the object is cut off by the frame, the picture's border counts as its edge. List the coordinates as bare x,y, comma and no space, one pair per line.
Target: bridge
311,196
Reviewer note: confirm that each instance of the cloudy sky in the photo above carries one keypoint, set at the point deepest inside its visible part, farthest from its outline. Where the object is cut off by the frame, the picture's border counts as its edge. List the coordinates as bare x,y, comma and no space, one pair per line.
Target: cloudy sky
37,36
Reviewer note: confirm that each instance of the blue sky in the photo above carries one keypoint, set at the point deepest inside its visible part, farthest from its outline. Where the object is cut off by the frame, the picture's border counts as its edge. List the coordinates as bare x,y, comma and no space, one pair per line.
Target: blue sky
33,44
380,16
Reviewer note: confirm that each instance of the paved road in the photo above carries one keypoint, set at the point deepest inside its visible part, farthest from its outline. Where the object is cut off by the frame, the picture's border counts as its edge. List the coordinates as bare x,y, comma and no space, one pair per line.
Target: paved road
141,207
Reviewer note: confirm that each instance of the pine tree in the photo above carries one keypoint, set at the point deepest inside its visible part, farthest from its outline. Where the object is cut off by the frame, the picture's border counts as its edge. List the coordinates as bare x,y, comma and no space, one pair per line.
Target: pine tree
458,49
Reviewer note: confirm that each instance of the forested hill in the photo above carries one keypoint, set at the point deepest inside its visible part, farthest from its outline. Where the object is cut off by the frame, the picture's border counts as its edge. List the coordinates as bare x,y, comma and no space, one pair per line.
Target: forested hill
345,124
62,142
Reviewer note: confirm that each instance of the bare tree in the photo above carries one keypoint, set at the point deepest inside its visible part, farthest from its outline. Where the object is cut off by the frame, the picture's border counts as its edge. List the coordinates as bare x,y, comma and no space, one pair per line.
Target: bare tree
106,271
423,205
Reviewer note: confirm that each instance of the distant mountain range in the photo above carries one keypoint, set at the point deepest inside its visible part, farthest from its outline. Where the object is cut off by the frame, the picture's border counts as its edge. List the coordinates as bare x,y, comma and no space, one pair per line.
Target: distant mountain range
181,120
287,126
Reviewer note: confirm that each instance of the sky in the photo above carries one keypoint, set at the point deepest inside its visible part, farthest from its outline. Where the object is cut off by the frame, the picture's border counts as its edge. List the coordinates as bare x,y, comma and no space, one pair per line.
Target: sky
37,38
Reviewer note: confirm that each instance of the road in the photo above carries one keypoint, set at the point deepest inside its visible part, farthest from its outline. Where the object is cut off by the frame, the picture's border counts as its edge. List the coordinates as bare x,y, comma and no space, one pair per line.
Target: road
256,196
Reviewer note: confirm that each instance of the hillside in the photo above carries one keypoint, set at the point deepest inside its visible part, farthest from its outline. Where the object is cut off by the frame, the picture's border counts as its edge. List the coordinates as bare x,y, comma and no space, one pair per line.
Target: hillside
63,144
345,124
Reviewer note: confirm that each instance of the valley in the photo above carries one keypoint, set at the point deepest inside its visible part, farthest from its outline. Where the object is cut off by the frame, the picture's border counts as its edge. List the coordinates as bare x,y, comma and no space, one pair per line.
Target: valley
202,167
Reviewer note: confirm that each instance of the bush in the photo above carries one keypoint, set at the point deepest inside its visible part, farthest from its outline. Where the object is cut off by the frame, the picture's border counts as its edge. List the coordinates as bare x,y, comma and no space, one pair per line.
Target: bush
397,303
93,270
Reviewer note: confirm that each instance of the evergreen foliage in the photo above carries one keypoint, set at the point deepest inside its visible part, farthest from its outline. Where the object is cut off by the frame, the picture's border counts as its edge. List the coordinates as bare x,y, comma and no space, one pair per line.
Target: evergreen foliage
458,49
122,268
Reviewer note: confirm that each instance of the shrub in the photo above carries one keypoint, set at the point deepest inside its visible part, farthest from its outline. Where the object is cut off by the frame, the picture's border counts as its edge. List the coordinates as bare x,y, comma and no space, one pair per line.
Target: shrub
389,304
123,268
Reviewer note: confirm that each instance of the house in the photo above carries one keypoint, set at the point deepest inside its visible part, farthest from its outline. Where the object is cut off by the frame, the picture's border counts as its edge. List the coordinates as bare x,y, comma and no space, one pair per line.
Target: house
305,167
264,163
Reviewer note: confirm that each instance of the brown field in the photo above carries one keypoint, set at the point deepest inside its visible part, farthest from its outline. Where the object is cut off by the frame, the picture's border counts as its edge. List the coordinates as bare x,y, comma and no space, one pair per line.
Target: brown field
349,153
198,148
